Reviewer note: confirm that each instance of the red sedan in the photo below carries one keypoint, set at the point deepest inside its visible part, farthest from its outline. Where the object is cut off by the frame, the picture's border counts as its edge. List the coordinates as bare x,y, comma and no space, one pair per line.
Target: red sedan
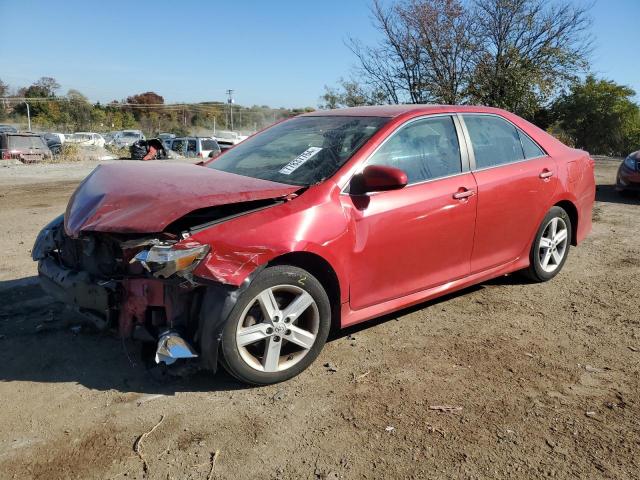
322,221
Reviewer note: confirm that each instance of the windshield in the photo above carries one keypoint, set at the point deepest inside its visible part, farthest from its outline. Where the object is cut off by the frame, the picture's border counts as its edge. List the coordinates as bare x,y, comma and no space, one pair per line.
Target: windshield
300,151
130,134
25,142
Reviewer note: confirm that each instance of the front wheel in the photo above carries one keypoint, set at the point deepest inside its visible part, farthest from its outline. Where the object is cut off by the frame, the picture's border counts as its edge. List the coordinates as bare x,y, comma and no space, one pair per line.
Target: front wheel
278,326
551,246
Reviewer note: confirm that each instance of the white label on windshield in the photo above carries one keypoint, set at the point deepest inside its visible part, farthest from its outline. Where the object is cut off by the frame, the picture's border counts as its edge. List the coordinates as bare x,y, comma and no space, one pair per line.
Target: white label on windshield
299,160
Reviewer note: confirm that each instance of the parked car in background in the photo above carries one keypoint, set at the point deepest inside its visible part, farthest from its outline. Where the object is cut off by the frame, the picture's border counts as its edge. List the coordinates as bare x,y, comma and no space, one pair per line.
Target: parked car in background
26,147
150,149
53,142
166,138
628,177
226,139
126,138
109,137
324,220
200,147
8,128
86,139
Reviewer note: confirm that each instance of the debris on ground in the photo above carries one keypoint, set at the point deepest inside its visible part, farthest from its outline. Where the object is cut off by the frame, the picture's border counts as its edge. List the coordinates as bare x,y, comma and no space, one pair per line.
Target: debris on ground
390,429
279,395
137,446
330,367
214,457
432,429
445,408
591,369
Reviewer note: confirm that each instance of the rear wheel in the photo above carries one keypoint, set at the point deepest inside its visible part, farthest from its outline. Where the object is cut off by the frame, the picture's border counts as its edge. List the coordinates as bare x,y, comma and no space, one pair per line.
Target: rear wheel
551,246
278,326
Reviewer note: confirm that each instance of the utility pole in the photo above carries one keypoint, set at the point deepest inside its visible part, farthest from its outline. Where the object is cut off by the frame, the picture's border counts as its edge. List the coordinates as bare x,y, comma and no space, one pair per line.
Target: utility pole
28,115
230,102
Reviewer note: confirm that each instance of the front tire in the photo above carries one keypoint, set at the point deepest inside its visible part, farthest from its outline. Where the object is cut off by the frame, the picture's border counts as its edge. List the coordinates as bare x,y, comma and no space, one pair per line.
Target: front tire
551,246
278,326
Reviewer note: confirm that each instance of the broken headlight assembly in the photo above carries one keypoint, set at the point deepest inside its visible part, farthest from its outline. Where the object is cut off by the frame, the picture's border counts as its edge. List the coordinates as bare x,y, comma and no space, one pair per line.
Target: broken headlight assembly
164,261
46,239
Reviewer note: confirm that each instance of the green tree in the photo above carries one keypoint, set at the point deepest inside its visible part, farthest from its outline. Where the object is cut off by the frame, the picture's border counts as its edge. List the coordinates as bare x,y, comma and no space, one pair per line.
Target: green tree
600,116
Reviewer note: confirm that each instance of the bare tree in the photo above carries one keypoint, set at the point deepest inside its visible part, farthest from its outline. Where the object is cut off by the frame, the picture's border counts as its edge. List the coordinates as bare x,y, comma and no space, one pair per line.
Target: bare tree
394,66
444,32
530,49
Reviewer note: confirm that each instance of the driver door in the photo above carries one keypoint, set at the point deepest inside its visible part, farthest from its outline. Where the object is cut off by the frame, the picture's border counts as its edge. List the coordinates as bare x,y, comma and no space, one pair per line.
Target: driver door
419,236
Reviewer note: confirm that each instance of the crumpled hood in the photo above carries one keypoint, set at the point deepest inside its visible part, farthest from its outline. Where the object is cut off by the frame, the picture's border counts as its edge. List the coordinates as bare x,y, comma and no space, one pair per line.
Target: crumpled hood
145,197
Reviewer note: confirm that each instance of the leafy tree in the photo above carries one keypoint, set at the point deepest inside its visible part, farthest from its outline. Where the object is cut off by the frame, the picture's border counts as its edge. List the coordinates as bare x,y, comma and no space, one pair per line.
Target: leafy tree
600,116
528,51
351,94
146,98
514,54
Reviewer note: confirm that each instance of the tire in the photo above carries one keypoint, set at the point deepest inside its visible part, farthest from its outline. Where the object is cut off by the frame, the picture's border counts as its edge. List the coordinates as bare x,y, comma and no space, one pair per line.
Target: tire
267,330
546,262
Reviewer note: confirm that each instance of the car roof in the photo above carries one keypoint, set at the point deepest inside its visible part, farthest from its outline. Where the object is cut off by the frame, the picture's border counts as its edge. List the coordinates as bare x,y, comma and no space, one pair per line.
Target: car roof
397,110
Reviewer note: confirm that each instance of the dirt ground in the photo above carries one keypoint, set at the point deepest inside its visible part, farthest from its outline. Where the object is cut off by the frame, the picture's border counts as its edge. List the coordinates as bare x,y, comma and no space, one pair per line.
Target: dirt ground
544,379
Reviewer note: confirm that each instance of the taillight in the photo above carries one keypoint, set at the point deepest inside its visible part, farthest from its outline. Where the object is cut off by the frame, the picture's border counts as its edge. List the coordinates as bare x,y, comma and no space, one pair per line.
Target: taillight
199,155
6,155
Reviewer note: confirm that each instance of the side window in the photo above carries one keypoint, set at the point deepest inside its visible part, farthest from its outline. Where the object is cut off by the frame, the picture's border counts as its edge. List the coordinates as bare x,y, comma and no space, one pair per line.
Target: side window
495,141
178,146
423,149
531,148
191,148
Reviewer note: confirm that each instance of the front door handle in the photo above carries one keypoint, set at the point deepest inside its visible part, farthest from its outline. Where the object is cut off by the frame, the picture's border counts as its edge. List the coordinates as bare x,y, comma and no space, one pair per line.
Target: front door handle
463,193
546,173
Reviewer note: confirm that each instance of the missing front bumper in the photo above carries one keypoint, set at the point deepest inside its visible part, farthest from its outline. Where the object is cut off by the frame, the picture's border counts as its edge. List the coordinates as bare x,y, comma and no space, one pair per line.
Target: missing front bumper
78,290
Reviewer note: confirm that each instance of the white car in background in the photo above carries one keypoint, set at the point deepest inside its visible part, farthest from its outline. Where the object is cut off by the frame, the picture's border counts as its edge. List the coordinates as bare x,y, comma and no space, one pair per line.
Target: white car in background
126,138
86,139
227,139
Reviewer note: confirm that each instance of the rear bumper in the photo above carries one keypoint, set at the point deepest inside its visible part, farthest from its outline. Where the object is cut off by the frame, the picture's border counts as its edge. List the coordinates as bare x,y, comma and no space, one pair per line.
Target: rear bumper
77,289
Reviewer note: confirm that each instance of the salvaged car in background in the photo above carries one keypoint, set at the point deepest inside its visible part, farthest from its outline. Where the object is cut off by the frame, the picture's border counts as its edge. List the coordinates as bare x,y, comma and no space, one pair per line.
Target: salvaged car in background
324,220
628,177
86,139
26,147
200,147
126,138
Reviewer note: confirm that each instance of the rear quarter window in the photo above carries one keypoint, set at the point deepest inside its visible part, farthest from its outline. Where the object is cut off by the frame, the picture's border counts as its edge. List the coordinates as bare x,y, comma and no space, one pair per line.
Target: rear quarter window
531,148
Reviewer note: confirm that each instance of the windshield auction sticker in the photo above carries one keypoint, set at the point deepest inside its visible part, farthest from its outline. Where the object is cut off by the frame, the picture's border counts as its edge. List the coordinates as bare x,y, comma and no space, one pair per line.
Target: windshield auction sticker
299,160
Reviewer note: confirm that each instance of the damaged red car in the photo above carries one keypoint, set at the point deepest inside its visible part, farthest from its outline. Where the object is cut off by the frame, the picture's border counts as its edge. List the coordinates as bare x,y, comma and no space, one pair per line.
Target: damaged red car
319,222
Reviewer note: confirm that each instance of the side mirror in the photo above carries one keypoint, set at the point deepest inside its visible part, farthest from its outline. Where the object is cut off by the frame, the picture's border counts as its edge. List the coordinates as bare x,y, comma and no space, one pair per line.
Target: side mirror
377,178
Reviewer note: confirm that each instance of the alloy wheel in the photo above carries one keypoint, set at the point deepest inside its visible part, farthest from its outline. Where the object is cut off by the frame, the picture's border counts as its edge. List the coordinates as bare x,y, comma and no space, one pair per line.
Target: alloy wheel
277,328
553,245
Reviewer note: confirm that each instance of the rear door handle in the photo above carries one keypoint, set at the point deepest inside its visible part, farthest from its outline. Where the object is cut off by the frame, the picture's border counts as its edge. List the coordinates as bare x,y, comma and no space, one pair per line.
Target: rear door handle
463,193
546,173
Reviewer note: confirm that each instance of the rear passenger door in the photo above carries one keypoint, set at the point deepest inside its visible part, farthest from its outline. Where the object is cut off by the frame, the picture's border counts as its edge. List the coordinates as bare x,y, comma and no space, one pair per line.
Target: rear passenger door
516,181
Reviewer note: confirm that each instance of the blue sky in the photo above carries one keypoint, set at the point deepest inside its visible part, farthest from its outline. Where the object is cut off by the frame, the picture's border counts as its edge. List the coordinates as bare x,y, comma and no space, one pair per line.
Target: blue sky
276,52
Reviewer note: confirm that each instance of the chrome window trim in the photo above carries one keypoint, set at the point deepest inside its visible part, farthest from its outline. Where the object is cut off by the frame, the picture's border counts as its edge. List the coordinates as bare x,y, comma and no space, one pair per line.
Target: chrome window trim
472,157
462,146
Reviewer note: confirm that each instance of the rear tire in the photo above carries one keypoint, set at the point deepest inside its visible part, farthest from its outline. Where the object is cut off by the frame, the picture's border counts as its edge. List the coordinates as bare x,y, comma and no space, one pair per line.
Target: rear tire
550,248
277,327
